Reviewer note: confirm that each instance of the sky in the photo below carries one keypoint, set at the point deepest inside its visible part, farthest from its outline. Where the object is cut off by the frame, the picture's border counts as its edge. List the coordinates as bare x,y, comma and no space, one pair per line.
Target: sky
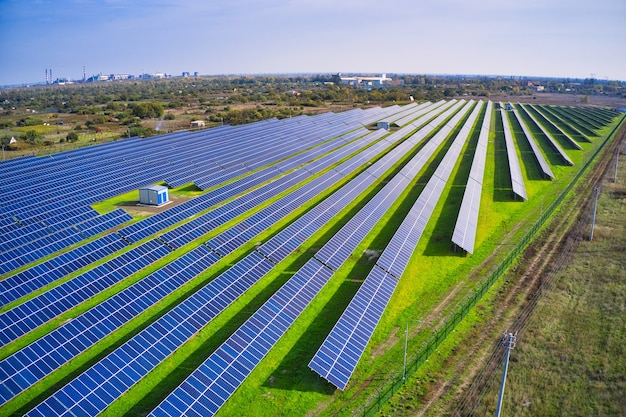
551,38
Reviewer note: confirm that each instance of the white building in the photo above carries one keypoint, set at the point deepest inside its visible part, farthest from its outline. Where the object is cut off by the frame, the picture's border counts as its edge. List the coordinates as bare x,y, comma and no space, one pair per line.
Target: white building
366,82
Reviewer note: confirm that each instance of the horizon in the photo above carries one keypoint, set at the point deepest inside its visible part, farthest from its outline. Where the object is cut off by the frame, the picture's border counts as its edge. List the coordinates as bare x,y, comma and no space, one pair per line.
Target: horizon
446,37
138,77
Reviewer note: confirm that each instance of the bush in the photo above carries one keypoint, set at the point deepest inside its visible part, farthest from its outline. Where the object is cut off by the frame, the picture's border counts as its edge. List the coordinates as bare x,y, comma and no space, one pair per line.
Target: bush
31,137
72,137
30,121
141,131
148,110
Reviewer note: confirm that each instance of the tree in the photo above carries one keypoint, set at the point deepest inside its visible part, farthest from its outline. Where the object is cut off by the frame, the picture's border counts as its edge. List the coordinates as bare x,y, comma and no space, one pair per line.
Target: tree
72,137
32,137
148,110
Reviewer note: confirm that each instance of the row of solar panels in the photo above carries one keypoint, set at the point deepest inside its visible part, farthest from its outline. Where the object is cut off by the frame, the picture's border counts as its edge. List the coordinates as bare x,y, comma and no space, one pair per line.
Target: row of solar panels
72,260
27,316
339,354
211,384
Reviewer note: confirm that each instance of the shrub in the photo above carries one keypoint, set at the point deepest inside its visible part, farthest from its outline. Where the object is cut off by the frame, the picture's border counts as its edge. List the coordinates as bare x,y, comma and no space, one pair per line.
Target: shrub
148,110
72,137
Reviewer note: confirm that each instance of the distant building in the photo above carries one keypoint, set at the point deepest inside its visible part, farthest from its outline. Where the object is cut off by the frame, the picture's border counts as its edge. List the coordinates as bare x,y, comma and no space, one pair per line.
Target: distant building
366,82
157,75
197,123
118,77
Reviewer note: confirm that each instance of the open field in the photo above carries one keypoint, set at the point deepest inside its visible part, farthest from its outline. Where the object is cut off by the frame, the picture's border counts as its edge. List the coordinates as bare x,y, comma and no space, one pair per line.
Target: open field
569,359
435,282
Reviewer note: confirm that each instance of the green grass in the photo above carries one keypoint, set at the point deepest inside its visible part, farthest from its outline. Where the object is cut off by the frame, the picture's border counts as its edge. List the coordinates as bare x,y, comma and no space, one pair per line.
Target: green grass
571,359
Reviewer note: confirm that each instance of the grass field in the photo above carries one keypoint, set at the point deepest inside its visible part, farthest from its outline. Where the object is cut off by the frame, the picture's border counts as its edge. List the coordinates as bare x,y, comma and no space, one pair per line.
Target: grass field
436,280
571,357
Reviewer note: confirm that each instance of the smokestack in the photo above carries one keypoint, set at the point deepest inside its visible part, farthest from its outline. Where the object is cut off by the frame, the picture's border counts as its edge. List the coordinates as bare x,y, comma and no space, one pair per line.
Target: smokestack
46,75
84,74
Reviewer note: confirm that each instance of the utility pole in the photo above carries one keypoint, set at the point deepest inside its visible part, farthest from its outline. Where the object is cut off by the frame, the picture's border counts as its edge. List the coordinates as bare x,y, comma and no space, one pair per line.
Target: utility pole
593,217
616,161
508,342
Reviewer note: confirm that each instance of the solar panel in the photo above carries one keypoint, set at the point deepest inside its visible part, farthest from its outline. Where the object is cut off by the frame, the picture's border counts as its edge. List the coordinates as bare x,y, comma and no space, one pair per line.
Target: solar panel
517,181
535,147
339,354
547,134
217,378
464,234
275,305
568,123
130,362
44,273
85,330
546,117
36,311
337,250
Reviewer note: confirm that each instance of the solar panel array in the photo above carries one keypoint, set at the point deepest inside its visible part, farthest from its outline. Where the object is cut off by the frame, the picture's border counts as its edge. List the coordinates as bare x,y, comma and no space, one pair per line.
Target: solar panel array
543,164
193,231
211,384
238,274
133,163
338,356
517,181
546,117
167,279
242,168
44,273
569,123
547,134
464,234
401,247
27,316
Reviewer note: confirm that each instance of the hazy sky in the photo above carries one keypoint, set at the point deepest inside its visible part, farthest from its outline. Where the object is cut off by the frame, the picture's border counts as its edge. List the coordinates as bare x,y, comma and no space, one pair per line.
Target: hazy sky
562,38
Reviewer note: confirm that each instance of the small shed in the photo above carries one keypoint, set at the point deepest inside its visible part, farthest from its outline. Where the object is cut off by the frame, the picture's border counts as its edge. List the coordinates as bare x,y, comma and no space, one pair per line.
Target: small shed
383,125
198,123
153,195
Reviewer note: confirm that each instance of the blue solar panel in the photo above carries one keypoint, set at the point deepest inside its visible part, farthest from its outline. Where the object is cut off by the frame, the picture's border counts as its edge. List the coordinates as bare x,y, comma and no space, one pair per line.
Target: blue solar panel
144,351
342,245
465,228
219,376
29,315
118,266
517,180
339,354
90,327
42,274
